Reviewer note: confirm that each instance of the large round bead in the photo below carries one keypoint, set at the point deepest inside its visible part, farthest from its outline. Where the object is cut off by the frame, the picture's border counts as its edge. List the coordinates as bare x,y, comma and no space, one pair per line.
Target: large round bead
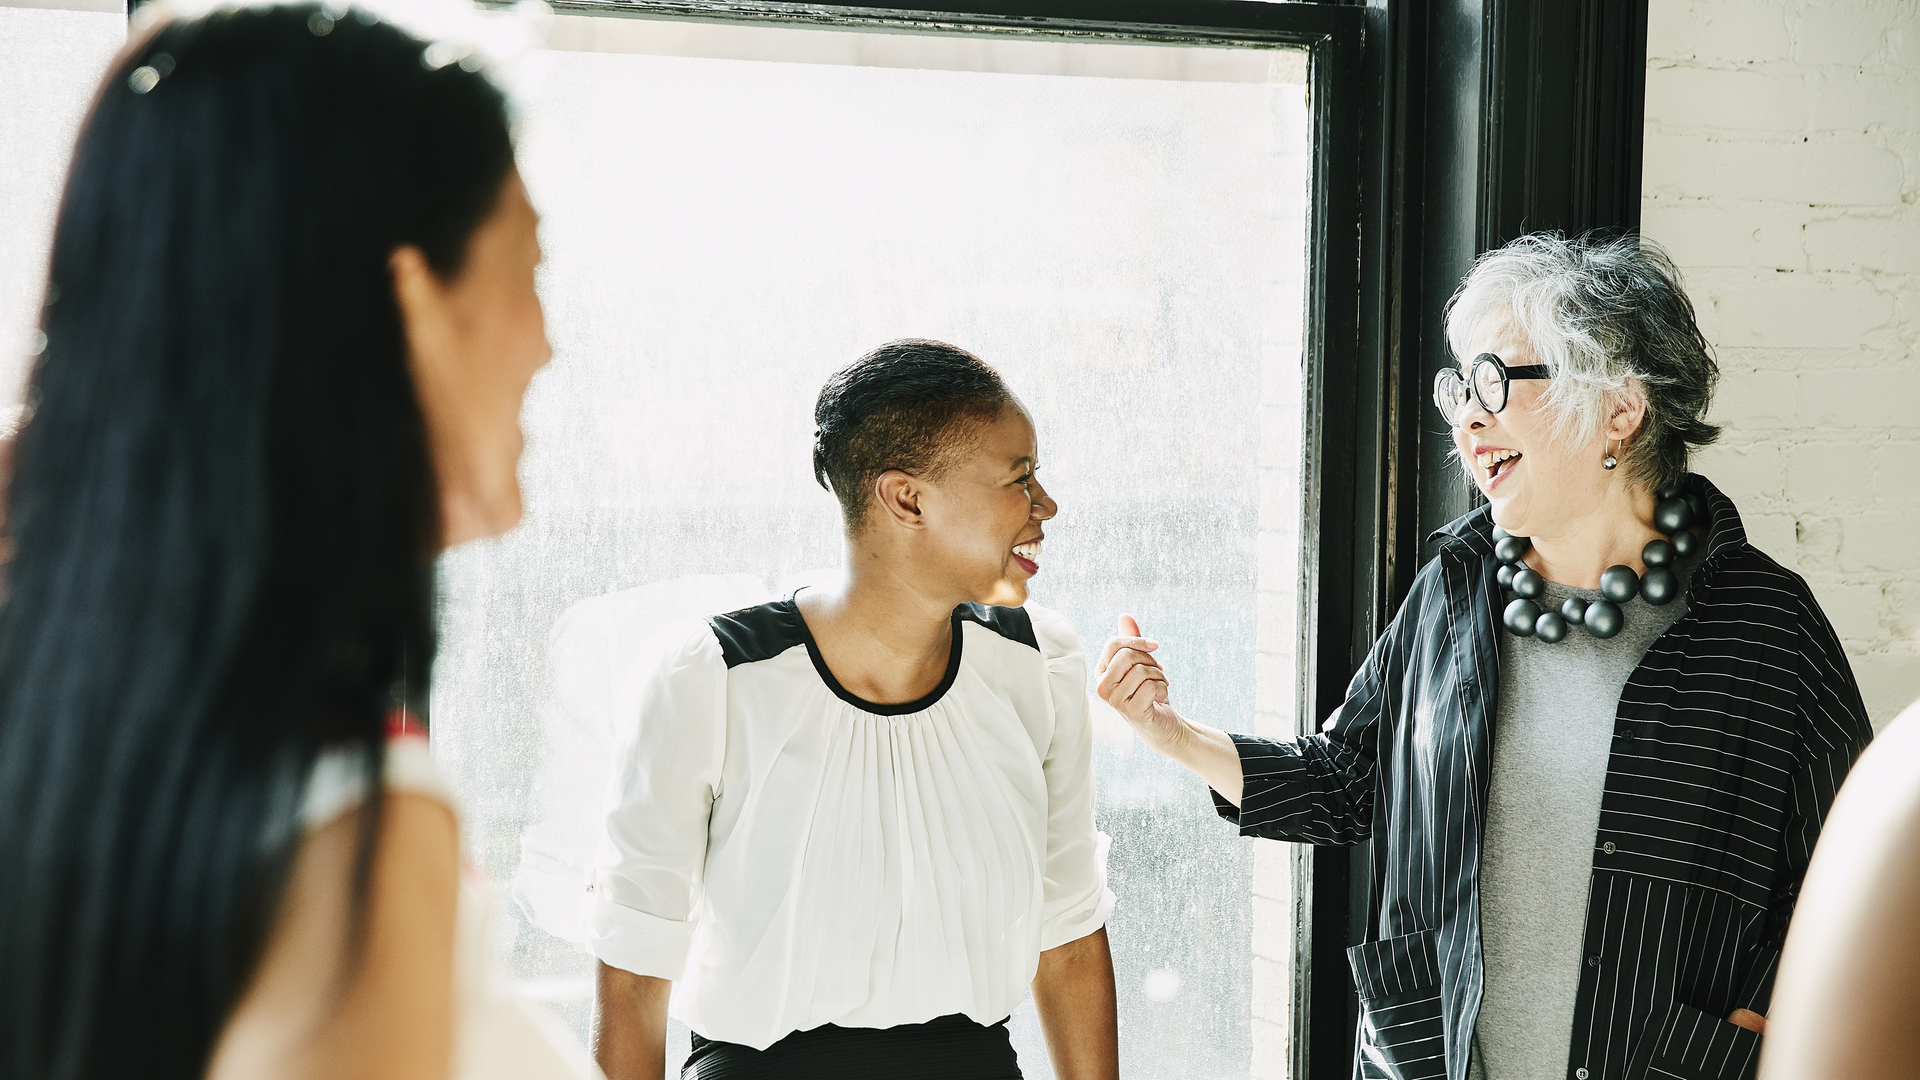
1550,627
1529,585
1619,583
1604,619
1699,504
1511,548
1504,575
1500,534
1657,553
1670,491
1672,515
1520,617
1659,586
1574,610
1684,544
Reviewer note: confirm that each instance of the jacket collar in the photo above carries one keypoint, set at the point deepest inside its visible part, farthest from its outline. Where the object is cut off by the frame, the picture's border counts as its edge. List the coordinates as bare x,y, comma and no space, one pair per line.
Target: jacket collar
1724,532
1472,532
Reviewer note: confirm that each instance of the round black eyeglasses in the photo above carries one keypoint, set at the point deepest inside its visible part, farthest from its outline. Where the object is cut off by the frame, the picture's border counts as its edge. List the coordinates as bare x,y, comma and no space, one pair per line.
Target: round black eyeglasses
1486,381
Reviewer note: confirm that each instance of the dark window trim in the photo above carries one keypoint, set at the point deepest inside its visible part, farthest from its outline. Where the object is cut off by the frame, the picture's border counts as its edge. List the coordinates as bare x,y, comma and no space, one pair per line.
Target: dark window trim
1486,119
1172,22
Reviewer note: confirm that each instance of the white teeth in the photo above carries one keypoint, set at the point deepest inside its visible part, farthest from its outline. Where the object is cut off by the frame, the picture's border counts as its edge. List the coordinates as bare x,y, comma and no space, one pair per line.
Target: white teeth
1486,459
1029,552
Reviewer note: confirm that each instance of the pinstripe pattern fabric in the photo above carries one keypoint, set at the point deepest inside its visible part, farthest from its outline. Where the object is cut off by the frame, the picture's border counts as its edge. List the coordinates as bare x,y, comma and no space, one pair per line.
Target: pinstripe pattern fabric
1731,738
1402,1030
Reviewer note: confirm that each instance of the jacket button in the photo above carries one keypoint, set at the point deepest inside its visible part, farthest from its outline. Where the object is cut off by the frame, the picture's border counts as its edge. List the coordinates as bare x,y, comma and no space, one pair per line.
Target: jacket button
1593,961
1579,1074
1607,847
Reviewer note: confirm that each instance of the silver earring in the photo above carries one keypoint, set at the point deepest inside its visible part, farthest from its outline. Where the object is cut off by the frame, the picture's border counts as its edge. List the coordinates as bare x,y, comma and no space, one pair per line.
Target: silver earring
1609,461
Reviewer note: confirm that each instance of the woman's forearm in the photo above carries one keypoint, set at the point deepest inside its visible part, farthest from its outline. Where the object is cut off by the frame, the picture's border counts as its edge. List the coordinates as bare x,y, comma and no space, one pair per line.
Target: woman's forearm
1211,754
630,1025
1073,993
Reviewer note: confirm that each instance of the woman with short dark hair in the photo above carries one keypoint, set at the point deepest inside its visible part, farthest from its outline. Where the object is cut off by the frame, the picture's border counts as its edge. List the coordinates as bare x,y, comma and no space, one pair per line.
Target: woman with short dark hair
1592,752
290,321
857,824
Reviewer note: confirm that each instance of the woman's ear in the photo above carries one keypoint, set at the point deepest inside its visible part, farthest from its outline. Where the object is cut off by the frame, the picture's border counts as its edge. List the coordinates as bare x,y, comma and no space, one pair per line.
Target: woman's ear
899,496
1629,409
426,317
421,297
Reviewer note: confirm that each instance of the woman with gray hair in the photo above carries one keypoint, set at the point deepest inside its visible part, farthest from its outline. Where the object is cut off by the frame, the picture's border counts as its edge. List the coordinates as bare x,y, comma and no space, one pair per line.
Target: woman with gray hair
1592,752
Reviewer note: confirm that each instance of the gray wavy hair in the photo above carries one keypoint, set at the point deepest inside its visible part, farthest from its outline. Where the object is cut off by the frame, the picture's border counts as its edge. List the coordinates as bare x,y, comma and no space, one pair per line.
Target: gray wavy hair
1605,315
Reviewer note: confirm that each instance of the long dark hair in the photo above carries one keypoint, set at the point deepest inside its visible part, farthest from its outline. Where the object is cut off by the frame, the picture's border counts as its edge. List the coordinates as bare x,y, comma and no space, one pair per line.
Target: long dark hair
222,515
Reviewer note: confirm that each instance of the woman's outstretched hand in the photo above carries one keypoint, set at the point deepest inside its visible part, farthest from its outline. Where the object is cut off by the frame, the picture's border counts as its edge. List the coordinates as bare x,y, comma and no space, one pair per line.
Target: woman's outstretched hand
1135,684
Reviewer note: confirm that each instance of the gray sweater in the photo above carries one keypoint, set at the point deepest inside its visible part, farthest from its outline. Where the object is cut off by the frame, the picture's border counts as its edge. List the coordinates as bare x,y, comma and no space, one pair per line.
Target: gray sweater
1552,736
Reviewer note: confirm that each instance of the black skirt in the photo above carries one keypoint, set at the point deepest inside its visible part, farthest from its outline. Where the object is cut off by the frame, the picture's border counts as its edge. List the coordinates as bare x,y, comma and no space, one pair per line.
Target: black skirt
949,1048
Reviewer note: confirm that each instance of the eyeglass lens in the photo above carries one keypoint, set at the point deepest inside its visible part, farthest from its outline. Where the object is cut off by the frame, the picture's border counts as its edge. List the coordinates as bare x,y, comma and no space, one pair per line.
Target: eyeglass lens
1488,381
1450,395
1490,384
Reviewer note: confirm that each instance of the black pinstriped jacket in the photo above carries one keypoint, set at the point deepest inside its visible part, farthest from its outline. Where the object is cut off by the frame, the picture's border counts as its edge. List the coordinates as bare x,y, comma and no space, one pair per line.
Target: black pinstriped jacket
1731,738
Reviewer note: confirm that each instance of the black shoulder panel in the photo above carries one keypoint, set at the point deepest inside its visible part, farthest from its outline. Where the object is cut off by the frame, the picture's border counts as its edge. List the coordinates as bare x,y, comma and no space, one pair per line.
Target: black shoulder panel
759,633
1011,623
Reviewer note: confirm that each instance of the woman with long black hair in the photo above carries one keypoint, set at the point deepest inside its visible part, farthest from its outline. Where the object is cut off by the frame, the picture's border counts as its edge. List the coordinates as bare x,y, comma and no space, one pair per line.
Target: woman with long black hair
290,321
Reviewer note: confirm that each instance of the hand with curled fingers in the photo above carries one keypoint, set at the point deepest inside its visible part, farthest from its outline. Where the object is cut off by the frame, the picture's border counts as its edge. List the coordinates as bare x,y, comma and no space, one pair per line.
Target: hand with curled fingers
1135,684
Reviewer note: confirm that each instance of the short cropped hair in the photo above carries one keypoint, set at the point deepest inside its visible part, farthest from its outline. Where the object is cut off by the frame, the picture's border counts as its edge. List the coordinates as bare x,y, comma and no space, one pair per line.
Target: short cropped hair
1603,313
913,405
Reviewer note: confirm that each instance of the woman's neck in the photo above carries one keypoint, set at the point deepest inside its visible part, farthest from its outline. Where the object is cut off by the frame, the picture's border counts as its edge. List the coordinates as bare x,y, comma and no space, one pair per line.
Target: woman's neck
1612,533
884,637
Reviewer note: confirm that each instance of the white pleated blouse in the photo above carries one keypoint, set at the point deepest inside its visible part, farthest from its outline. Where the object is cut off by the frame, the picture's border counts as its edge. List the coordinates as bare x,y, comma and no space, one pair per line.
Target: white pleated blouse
794,856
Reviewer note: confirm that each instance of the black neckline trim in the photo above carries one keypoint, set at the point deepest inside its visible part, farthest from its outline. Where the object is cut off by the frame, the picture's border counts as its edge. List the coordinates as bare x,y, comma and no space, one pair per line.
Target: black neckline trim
878,709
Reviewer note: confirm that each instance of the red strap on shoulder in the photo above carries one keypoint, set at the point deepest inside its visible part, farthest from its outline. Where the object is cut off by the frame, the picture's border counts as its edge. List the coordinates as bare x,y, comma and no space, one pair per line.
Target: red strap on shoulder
401,724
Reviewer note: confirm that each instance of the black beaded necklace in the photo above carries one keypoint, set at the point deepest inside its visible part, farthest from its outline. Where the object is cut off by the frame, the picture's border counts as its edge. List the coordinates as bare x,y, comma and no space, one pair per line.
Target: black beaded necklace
1674,515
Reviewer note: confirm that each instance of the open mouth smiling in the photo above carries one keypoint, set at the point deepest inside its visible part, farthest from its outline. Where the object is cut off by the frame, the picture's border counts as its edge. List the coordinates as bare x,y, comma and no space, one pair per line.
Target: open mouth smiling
1028,556
1497,463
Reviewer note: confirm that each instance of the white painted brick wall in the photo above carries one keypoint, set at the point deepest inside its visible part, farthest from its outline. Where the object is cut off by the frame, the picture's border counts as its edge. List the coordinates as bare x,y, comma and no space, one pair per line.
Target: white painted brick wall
1276,685
1783,173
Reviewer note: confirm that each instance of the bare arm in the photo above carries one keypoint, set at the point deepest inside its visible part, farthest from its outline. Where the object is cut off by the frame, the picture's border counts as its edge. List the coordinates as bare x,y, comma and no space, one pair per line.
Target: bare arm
1210,754
1073,992
1849,981
392,1016
630,1025
1132,681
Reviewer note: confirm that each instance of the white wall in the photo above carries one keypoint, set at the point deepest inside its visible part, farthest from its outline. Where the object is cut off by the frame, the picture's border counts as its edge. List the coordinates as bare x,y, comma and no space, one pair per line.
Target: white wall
1783,172
51,54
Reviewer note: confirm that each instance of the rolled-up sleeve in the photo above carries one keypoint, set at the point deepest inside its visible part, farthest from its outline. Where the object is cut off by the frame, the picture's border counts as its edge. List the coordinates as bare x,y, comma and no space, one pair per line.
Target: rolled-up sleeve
669,742
1315,789
1077,899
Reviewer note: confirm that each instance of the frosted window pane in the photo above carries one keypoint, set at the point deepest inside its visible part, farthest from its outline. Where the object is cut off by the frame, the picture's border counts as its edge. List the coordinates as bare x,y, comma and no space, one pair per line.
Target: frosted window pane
49,63
1127,246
